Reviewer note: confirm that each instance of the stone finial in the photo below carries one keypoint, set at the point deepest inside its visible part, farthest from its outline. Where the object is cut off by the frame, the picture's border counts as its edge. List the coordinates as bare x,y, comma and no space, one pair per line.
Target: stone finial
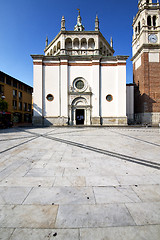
96,24
63,24
79,26
111,42
46,41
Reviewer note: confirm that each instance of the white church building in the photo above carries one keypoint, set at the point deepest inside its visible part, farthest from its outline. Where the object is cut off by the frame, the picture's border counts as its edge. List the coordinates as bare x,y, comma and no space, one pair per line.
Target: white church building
79,81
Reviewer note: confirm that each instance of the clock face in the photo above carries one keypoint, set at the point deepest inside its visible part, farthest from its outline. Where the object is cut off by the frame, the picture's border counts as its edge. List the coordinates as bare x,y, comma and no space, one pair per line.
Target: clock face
152,38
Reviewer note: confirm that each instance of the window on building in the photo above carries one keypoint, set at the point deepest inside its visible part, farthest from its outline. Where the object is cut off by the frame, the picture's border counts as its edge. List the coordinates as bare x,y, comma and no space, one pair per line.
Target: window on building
79,84
14,93
20,105
25,106
29,90
20,86
14,104
109,97
50,97
139,27
29,107
149,21
1,89
25,88
9,81
154,21
20,95
2,79
15,83
135,29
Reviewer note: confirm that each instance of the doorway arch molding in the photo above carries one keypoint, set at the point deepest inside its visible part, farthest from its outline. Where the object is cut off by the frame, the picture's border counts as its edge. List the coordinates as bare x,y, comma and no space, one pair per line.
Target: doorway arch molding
80,102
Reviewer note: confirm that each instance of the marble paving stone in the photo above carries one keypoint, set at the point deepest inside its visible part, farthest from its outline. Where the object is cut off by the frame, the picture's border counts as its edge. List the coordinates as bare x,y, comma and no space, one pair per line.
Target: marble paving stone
30,216
135,179
5,233
13,195
148,193
78,181
65,164
45,234
156,178
115,195
121,233
86,172
61,195
101,181
28,182
145,213
82,216
40,172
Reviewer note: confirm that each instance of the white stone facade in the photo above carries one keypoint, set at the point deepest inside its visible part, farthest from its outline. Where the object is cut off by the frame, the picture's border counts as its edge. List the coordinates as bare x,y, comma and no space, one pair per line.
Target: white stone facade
79,81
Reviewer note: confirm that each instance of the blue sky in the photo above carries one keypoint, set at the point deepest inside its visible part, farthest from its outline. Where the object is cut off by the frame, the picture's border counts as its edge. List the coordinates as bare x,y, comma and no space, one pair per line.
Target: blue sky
24,25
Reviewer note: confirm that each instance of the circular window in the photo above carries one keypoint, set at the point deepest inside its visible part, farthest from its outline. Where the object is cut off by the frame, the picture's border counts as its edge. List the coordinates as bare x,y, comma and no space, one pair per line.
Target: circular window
109,98
50,97
79,84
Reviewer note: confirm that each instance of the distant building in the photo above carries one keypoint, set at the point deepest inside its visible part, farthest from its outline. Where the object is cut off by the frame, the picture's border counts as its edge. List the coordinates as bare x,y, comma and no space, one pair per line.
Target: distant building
18,95
146,62
78,81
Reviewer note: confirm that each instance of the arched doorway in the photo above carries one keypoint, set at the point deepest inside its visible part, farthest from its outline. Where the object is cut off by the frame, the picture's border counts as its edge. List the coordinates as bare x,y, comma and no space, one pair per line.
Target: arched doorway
80,112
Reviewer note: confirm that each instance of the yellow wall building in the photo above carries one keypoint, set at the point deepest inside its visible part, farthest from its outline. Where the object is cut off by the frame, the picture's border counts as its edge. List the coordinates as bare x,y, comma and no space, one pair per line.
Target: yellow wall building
18,95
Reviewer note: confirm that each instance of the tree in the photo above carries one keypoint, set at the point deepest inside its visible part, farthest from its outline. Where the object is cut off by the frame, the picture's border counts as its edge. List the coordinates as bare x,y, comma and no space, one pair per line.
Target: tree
3,105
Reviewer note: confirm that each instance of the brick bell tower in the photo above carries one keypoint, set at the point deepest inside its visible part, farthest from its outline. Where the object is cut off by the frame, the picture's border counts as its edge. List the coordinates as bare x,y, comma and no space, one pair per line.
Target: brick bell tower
146,62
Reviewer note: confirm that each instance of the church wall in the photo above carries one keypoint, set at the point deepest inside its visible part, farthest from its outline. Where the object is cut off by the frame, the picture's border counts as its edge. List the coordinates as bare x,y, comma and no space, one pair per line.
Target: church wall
51,79
114,84
95,92
80,71
64,89
37,89
109,79
121,85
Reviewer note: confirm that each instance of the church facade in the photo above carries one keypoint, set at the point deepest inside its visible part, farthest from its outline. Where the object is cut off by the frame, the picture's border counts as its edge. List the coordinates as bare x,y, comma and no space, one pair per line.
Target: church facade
78,81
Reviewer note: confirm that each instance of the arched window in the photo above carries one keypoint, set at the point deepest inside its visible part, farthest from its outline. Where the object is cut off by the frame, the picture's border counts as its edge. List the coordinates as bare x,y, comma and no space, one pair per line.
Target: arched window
58,46
139,27
76,43
68,43
147,1
91,43
154,21
51,52
83,43
135,29
54,50
149,21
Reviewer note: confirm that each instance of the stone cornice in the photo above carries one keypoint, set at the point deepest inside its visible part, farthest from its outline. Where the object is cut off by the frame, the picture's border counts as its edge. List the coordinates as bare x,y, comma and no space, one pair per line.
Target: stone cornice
79,58
147,47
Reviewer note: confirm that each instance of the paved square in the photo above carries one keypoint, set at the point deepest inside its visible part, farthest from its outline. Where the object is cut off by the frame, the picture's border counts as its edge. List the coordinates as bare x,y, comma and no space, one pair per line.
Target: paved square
85,183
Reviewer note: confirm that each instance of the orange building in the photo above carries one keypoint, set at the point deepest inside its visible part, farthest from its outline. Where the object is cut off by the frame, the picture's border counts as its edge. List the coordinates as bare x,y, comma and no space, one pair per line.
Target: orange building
18,95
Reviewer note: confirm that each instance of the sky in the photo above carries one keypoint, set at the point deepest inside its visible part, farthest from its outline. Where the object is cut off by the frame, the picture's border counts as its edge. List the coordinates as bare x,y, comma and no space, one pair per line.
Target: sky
24,25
